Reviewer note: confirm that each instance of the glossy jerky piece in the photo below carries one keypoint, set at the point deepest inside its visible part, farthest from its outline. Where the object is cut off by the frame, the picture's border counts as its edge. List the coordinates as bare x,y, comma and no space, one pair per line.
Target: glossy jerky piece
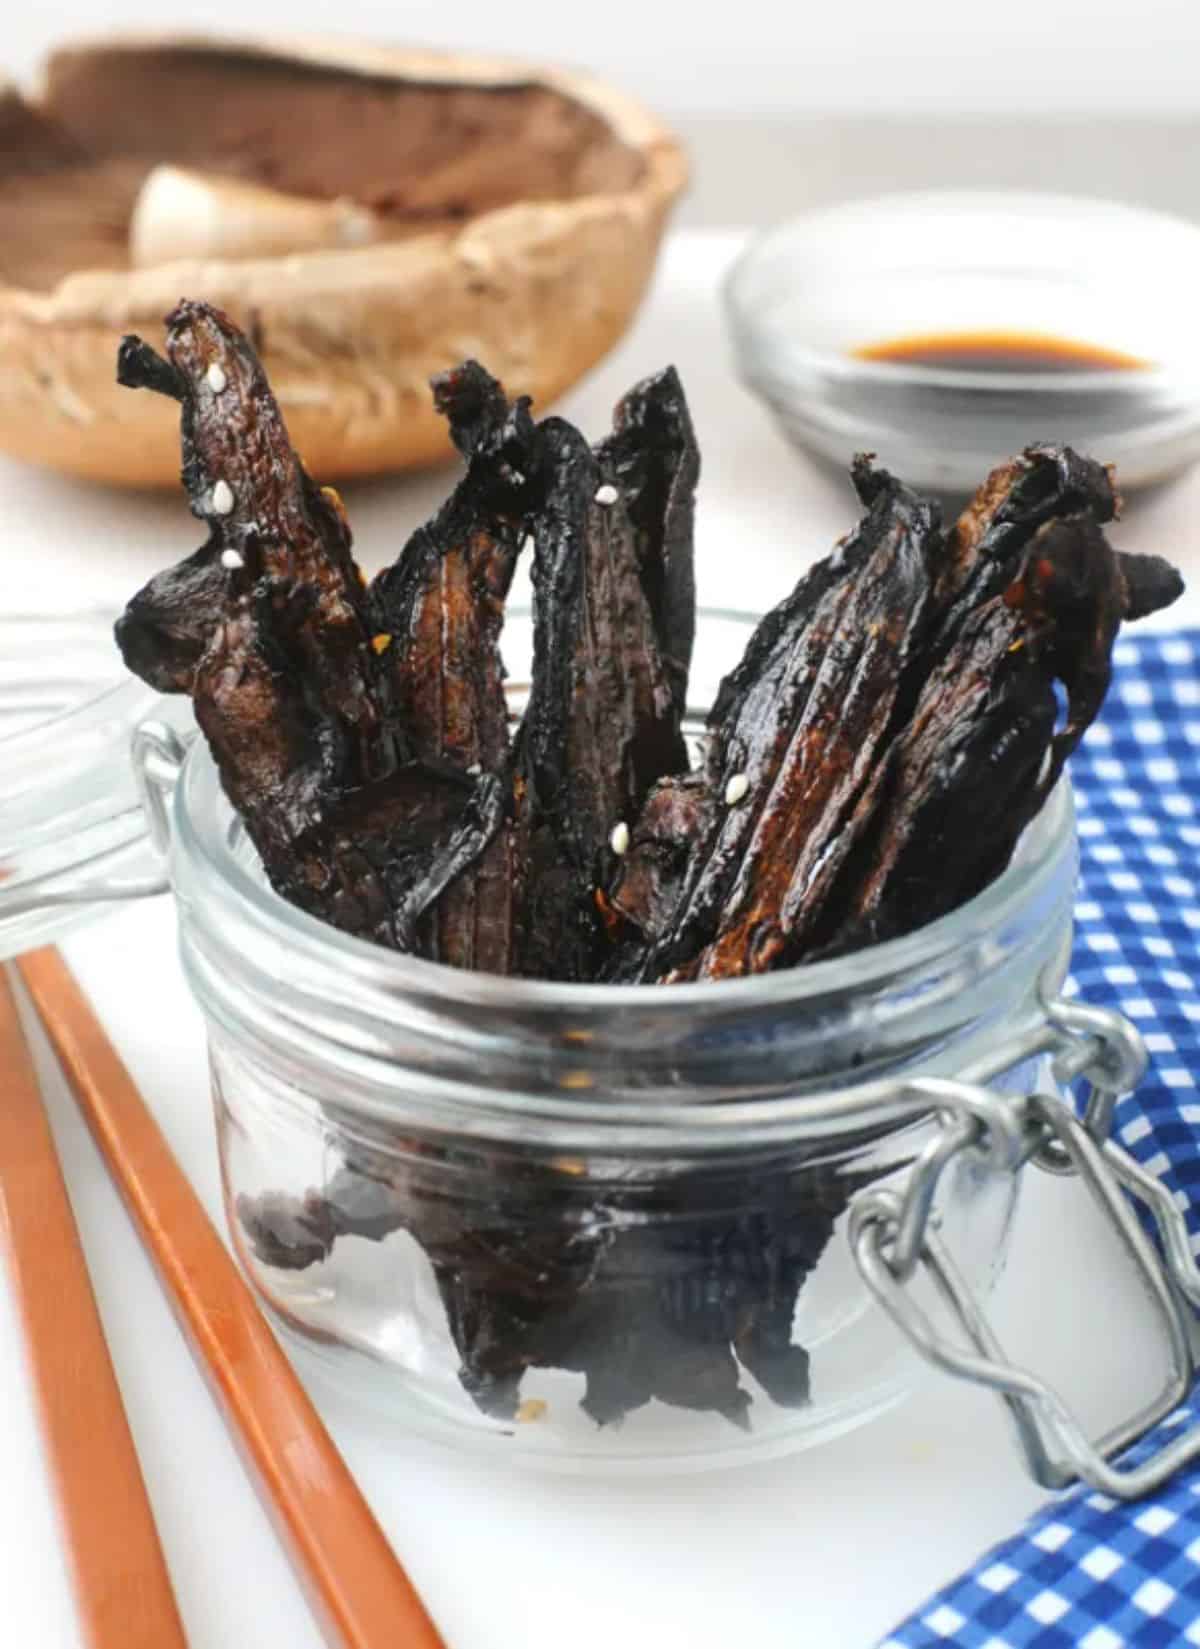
670,1302
980,753
507,1292
1077,591
803,719
1072,596
438,614
387,859
292,613
645,893
953,796
279,654
623,1341
355,858
509,1261
246,483
165,628
1151,583
654,462
985,546
803,828
605,712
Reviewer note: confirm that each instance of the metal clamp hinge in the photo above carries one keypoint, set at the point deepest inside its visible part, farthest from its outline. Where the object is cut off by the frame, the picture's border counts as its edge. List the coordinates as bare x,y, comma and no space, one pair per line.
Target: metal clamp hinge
892,1234
158,754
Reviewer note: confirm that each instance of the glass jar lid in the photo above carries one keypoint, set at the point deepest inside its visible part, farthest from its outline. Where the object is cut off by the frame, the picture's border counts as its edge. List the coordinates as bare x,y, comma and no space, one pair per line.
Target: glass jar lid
73,833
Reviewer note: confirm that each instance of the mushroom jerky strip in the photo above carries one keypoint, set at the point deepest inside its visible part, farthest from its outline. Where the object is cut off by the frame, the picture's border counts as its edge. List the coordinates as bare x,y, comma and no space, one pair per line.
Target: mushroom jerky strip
794,735
614,616
270,630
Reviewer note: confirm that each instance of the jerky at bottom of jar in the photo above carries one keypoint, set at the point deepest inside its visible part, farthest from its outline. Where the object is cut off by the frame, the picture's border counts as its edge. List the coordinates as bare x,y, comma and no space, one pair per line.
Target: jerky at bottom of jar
674,1295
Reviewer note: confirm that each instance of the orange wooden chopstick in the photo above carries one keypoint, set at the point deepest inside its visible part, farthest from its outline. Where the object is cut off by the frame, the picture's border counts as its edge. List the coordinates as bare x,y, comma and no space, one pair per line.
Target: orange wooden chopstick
360,1593
122,1587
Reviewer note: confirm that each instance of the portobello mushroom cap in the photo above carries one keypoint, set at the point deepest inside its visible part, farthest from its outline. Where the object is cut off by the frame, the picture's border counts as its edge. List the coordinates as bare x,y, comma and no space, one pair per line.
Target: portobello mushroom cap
491,209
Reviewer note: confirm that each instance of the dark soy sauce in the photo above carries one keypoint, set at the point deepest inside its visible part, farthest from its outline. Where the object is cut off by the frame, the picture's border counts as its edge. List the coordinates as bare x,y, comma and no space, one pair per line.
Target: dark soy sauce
999,352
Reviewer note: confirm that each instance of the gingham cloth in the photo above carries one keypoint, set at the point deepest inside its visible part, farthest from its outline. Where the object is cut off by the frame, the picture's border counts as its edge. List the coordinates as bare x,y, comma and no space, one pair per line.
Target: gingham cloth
1087,1572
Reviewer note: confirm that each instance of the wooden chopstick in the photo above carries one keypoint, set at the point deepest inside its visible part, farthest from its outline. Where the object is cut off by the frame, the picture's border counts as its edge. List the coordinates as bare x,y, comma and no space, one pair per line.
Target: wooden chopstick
122,1587
360,1594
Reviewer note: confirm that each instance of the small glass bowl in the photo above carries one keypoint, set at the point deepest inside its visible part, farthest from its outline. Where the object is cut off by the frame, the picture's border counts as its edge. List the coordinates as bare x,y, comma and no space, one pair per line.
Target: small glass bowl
808,294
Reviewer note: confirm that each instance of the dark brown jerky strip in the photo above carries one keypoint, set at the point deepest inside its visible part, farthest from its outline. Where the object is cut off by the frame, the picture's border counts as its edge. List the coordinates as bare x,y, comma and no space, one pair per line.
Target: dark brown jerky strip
986,544
642,1328
1151,583
438,614
734,1277
1018,498
653,460
980,754
949,801
666,1305
244,480
278,650
510,1259
680,1304
650,881
605,713
802,721
359,858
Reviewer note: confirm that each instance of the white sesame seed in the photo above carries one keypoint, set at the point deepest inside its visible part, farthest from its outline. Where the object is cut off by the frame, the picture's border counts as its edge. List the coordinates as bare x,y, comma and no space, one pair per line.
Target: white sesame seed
619,840
737,789
215,377
222,498
231,561
607,494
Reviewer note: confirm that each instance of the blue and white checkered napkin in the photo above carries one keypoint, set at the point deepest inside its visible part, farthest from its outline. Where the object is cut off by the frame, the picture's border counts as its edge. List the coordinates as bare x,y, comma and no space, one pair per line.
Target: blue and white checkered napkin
1087,1572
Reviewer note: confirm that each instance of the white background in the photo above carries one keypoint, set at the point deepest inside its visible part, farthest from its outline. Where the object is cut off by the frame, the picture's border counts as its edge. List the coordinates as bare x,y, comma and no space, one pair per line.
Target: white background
753,57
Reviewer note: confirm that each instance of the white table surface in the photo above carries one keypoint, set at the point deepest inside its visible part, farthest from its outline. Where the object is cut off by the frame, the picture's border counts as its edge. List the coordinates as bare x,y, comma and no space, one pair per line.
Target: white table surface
822,1551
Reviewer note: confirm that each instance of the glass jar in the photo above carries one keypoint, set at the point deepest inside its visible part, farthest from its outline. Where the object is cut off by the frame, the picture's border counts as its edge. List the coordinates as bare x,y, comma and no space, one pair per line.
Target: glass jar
607,1226
594,1223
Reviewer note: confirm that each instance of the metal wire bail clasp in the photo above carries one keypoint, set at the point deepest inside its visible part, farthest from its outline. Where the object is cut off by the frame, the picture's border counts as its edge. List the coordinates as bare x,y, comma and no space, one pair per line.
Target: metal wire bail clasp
892,1235
157,753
